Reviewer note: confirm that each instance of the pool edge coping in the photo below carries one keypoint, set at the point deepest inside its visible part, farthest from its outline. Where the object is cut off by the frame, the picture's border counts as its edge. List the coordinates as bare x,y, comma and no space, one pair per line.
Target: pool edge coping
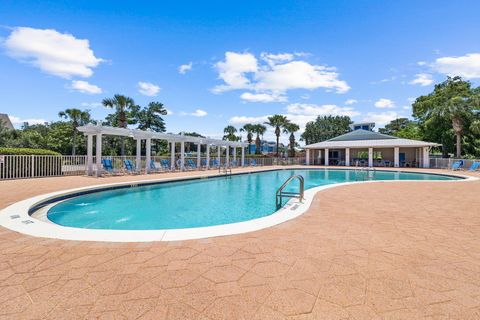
26,224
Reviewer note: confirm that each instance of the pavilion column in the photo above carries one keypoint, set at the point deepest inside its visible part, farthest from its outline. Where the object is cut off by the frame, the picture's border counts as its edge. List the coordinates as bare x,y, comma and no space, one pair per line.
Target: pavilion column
199,160
307,157
426,157
327,160
98,151
218,155
243,156
234,153
227,157
370,157
172,155
207,165
148,155
182,155
138,158
396,157
90,155
347,157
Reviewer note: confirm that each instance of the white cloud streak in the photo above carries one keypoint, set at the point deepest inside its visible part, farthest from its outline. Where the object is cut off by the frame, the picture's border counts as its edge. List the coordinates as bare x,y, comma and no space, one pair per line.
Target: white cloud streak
85,87
467,66
422,79
184,68
384,103
148,89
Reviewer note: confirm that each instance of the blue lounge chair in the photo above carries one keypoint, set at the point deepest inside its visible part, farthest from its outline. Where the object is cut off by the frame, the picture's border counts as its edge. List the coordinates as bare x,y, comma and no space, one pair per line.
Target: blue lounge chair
203,163
108,166
233,164
191,165
215,163
474,166
457,165
165,165
253,162
129,166
153,167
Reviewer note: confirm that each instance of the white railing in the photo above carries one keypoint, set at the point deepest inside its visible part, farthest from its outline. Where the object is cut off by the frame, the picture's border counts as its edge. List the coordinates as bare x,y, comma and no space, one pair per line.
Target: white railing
35,166
442,163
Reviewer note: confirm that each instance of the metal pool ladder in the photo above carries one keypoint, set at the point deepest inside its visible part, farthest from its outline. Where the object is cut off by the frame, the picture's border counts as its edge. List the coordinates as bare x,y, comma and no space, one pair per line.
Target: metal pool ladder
227,170
280,193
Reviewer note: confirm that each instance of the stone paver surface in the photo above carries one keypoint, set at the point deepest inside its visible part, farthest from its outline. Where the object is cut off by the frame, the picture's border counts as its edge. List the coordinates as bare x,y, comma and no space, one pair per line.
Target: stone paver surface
371,251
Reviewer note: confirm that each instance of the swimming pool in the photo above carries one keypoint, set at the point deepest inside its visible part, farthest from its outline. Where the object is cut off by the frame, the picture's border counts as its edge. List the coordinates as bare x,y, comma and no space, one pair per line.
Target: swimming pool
200,202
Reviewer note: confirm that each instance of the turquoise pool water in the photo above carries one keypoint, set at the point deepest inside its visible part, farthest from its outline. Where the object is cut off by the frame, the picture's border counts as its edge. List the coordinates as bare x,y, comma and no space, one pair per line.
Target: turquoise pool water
197,203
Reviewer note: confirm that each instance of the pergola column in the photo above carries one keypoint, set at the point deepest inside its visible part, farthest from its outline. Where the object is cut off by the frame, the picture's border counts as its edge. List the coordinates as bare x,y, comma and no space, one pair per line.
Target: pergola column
243,156
234,153
396,157
182,155
138,158
148,155
347,157
327,160
98,151
307,157
426,157
227,156
370,157
90,155
218,155
172,155
199,161
207,165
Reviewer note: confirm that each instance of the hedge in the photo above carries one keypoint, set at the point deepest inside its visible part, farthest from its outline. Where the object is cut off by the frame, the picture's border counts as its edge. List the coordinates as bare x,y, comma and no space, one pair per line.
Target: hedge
28,152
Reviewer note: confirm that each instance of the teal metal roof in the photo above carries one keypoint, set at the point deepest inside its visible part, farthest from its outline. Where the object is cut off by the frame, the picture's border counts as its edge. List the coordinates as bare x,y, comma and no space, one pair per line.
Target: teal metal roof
361,134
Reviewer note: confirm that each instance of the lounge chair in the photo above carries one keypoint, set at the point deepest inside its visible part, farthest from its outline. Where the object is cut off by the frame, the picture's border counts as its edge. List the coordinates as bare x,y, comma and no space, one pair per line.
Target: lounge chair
153,167
165,164
191,165
203,163
457,165
129,167
474,166
253,162
215,163
233,164
108,166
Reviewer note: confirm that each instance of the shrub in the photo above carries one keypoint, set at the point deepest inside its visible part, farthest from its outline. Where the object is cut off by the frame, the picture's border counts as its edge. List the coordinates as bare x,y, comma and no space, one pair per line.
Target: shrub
27,152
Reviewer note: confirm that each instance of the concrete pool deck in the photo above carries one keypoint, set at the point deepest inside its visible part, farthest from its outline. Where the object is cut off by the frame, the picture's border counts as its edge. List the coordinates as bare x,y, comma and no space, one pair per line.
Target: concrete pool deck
372,251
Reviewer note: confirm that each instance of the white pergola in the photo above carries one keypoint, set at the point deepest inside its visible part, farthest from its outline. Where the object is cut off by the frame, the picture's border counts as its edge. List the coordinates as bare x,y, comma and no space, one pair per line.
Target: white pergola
98,131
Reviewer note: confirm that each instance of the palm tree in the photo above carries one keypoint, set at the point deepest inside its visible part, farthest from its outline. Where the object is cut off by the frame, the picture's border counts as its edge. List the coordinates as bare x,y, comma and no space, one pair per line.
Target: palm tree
77,118
291,128
277,121
125,111
229,132
249,128
259,129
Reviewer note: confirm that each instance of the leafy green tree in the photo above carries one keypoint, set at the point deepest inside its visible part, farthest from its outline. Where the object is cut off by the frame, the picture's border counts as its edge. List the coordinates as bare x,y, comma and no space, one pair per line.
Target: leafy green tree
77,118
150,117
453,101
291,128
125,114
278,122
260,130
249,129
395,126
325,127
230,133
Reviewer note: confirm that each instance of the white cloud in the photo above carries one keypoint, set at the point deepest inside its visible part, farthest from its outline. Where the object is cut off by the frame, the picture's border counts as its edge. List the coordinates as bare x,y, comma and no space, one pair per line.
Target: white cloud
85,87
350,101
262,97
148,89
184,68
274,75
196,113
19,121
91,104
423,79
59,54
467,66
384,103
421,63
381,118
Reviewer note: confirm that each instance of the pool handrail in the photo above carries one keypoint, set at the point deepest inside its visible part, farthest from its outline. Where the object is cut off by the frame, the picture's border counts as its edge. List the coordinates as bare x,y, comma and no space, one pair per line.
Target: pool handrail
280,193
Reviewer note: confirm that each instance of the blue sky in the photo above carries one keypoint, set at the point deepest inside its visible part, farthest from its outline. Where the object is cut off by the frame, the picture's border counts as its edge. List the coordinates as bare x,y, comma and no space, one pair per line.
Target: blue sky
242,60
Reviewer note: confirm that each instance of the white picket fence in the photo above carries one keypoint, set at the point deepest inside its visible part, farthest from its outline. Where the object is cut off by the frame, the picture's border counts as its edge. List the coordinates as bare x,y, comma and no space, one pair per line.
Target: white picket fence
34,166
441,163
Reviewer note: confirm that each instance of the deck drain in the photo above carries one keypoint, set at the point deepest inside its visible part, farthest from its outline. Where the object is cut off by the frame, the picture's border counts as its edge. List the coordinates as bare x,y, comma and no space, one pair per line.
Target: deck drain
15,216
27,221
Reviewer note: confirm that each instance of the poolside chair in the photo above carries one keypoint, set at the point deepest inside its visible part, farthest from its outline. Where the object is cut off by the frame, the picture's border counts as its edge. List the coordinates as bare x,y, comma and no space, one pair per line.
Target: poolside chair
233,164
203,163
457,165
474,166
253,162
215,163
153,167
165,164
108,166
129,167
190,165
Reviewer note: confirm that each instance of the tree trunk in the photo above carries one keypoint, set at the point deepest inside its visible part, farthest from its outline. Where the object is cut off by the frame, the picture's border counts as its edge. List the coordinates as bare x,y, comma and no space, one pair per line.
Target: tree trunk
257,145
278,142
459,144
